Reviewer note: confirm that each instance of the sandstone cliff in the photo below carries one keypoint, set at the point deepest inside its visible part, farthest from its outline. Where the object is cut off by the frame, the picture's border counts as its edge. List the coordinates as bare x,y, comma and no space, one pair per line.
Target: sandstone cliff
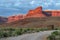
37,12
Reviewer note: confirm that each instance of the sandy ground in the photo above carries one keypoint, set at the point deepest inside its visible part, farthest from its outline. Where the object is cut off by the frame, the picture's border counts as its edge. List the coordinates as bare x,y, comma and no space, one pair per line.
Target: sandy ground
34,36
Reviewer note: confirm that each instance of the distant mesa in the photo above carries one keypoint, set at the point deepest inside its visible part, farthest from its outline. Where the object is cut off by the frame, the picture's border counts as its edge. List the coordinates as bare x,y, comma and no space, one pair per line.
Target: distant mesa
3,20
38,12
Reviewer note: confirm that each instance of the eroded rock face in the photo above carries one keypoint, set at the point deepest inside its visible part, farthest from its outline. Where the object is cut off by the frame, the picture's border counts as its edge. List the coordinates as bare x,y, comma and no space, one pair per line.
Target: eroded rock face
31,13
38,12
54,13
35,13
15,18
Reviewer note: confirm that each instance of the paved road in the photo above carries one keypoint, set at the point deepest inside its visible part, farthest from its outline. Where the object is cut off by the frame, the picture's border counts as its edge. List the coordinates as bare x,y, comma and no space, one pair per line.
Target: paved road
33,36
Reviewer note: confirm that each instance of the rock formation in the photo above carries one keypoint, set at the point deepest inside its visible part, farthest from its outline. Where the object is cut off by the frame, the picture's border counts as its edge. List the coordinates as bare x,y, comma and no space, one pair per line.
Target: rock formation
38,12
35,13
54,13
3,19
15,18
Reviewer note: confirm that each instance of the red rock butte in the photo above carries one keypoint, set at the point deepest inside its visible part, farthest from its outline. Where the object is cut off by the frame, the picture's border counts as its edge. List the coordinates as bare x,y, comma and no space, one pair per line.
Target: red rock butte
38,12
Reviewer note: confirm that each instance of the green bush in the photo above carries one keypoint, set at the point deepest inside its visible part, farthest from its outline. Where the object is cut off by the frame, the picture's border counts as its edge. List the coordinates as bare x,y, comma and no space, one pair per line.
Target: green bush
18,31
8,32
54,36
55,33
1,34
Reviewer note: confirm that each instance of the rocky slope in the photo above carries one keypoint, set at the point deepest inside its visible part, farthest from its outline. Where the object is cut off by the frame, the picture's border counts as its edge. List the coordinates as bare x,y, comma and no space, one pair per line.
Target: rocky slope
34,22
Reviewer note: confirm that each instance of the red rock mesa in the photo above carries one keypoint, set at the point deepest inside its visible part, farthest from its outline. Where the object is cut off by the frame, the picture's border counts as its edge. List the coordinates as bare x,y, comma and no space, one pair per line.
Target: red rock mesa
38,12
15,18
54,13
35,13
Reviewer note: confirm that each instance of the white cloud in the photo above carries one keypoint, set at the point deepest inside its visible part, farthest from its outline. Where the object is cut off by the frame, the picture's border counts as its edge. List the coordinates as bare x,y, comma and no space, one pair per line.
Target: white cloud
32,2
57,4
46,4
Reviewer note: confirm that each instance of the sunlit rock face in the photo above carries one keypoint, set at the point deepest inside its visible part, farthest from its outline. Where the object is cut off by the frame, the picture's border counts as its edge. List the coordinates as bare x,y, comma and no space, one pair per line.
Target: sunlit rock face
54,13
37,12
31,13
15,18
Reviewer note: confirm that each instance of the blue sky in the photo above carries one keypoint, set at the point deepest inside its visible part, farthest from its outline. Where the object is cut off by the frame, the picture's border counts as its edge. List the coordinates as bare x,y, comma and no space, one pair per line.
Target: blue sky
13,7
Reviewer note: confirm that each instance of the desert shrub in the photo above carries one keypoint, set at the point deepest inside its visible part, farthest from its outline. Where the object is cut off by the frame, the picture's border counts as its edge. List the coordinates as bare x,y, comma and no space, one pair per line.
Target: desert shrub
54,36
43,29
55,33
51,37
1,34
5,34
18,31
8,32
37,30
56,29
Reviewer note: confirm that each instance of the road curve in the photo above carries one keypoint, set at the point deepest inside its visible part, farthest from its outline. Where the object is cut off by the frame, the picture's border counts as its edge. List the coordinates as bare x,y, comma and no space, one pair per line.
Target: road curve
34,36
